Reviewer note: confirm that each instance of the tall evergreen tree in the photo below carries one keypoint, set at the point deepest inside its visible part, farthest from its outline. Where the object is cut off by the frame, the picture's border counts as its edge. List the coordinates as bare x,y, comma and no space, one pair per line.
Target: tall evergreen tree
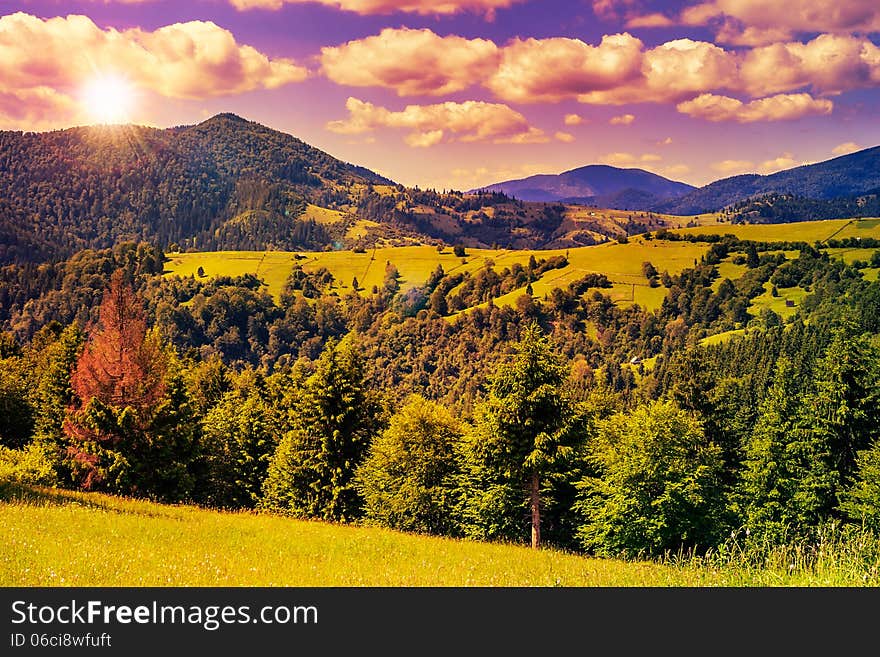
312,471
524,428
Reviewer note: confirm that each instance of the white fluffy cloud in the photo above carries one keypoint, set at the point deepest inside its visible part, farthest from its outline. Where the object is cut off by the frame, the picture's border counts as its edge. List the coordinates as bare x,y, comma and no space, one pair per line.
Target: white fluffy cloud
752,22
846,148
471,121
47,60
412,62
828,64
781,107
629,159
549,70
623,119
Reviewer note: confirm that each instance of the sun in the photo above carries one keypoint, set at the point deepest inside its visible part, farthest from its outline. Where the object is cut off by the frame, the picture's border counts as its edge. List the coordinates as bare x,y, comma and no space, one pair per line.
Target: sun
108,99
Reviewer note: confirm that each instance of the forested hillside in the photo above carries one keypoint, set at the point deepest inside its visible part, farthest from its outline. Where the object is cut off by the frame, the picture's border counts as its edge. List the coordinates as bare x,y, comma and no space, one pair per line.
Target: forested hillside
226,183
846,176
746,401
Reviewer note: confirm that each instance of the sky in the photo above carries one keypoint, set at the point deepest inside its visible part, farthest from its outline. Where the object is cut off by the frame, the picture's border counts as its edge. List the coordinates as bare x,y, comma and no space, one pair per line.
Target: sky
457,94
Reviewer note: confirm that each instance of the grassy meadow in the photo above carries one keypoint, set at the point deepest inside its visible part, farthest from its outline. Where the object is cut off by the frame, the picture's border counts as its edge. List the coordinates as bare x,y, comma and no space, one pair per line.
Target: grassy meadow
64,538
622,263
806,231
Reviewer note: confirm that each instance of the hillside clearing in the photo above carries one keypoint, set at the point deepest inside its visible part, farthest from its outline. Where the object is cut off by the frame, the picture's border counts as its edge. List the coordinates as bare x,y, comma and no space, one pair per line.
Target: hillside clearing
63,538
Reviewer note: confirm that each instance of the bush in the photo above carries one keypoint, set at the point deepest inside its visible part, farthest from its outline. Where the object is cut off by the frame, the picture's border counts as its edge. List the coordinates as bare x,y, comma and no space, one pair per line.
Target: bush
658,488
30,466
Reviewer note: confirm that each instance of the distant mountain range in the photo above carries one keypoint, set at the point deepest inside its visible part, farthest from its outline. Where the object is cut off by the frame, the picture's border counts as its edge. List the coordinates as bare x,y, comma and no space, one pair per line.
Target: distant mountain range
232,184
842,177
597,184
846,177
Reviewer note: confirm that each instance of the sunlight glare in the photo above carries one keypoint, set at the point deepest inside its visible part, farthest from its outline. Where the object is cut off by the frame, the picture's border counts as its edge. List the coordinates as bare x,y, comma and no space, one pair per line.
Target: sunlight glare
108,99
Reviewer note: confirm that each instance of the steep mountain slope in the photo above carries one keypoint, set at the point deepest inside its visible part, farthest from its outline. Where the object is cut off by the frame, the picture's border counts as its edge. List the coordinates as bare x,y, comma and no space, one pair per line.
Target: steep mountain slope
226,182
845,176
600,185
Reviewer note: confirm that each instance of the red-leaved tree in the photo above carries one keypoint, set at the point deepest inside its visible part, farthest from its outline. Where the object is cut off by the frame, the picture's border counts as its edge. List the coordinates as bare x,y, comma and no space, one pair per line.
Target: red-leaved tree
119,381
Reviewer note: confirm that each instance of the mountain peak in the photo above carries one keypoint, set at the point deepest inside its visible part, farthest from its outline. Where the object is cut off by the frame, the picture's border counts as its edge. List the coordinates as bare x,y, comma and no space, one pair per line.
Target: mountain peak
226,117
596,184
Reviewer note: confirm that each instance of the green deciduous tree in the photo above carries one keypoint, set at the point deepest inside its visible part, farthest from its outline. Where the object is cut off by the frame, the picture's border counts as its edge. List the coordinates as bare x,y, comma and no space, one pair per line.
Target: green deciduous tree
658,484
408,477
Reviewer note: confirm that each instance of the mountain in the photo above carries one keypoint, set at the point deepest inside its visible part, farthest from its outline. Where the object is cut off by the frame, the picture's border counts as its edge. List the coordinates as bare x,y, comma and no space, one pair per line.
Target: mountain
224,183
846,176
599,185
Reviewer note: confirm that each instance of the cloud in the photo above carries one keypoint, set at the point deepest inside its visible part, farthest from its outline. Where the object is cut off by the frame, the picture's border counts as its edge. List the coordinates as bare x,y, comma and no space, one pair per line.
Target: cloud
846,148
412,62
711,107
550,70
625,160
650,20
42,59
733,167
675,171
471,121
574,119
483,176
617,71
623,119
828,64
564,137
671,72
665,142
784,161
38,108
780,20
423,7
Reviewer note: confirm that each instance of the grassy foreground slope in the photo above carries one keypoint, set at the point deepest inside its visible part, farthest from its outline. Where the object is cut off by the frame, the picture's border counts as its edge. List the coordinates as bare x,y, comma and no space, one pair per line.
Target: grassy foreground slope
62,538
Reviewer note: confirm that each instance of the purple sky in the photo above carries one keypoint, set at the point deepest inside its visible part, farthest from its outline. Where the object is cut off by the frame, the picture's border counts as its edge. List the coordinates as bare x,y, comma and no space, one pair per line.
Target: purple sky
461,93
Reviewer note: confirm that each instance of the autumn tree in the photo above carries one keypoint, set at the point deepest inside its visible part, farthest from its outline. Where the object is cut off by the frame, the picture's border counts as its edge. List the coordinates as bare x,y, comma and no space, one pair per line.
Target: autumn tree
127,413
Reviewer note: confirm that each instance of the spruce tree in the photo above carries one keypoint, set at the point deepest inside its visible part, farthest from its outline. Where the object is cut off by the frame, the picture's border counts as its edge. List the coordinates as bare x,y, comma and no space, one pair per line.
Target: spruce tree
312,471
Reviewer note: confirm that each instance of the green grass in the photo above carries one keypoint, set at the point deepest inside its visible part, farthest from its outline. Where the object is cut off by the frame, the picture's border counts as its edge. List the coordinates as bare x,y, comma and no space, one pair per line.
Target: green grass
720,338
62,538
778,304
322,215
804,231
622,263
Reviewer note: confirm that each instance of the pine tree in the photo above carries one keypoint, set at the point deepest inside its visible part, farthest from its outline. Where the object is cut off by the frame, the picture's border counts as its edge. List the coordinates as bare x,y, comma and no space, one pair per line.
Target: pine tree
312,471
524,428
772,467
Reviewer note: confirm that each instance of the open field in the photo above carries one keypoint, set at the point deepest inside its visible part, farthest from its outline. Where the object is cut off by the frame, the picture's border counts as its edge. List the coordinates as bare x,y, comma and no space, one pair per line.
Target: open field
62,538
807,231
622,263
321,215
